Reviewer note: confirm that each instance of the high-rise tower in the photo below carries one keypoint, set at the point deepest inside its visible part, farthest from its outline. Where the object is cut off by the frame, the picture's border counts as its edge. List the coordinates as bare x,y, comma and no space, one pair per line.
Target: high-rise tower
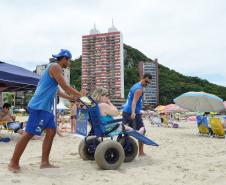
151,95
102,61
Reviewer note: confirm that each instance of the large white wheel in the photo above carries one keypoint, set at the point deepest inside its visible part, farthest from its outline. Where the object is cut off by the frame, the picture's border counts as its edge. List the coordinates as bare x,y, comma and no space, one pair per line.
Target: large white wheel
109,155
87,148
130,148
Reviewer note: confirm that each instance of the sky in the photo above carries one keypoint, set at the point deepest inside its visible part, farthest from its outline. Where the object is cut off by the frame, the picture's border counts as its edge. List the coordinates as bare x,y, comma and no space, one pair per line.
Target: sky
188,36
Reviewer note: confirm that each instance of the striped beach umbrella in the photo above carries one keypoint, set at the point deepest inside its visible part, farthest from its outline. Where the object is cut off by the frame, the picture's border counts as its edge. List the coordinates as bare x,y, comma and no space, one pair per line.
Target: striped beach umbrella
200,102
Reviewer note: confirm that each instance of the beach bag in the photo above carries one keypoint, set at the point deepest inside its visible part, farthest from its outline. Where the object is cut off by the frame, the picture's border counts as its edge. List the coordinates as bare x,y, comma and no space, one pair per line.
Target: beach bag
5,139
175,125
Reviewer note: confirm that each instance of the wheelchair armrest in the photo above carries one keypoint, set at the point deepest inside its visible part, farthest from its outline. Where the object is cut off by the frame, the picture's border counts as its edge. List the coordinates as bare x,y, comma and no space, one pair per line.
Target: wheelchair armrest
113,129
114,121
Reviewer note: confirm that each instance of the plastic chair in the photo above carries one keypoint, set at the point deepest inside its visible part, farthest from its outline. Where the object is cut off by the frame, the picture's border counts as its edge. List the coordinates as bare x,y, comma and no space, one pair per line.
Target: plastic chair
3,126
202,124
217,127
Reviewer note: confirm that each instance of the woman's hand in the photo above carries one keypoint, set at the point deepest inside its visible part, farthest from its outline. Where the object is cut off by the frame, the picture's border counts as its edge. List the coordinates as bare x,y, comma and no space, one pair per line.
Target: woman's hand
109,102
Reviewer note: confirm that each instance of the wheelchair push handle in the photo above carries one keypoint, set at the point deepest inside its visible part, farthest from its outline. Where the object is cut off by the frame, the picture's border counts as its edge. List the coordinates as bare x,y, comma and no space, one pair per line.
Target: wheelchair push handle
87,101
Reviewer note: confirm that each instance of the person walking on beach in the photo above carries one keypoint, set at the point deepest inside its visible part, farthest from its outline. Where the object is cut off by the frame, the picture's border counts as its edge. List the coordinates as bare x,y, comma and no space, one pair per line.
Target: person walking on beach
132,108
73,114
40,109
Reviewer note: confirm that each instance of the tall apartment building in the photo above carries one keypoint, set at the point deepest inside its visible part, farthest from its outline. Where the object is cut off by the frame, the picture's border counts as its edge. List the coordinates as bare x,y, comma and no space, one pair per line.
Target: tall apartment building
102,61
151,92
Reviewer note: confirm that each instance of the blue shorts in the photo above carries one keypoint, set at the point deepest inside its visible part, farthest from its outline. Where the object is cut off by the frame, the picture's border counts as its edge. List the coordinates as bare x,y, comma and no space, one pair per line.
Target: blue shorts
135,124
38,121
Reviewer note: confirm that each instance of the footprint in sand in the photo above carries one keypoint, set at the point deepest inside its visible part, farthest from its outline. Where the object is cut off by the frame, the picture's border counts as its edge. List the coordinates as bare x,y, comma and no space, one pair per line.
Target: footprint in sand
83,177
146,183
15,181
106,180
32,164
73,154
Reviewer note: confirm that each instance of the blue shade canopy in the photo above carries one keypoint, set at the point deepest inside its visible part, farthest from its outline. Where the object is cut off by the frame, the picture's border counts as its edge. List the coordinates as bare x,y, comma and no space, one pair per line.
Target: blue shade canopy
14,78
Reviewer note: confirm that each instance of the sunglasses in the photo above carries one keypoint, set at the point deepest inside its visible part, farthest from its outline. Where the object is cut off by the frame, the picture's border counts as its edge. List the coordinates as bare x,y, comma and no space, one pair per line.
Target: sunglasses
147,82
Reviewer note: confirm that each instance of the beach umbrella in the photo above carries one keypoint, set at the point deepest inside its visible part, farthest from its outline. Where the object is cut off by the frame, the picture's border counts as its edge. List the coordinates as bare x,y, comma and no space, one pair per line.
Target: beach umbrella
224,110
191,118
159,108
200,102
173,108
224,104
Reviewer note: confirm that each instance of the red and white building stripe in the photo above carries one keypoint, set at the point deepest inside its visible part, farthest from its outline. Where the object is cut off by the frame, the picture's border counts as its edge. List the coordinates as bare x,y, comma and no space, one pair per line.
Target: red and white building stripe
102,62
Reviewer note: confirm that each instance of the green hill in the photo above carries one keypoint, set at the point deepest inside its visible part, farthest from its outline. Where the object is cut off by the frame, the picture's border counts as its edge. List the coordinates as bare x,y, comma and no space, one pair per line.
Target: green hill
171,83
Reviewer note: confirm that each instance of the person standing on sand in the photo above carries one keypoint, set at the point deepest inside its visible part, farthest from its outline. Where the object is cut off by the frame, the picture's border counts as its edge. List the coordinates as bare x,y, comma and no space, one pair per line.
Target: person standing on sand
40,106
133,106
73,113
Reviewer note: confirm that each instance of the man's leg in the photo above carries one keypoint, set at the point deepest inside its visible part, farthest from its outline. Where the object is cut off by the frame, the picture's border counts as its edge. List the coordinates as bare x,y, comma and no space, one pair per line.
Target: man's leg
19,149
141,149
141,145
46,147
140,127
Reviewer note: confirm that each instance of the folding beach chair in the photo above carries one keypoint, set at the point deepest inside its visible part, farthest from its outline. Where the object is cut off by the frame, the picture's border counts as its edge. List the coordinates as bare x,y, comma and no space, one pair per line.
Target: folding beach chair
202,124
217,127
165,121
4,126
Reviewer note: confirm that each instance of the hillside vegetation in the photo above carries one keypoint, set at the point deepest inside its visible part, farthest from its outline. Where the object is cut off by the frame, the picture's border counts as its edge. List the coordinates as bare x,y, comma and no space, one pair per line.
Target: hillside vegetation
171,83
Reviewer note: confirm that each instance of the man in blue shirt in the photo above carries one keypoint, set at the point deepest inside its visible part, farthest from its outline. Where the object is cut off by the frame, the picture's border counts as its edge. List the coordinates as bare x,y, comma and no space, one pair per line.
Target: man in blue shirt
131,110
40,109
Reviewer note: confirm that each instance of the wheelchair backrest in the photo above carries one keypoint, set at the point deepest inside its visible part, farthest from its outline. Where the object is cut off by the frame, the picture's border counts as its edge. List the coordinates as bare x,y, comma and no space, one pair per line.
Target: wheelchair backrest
82,122
94,118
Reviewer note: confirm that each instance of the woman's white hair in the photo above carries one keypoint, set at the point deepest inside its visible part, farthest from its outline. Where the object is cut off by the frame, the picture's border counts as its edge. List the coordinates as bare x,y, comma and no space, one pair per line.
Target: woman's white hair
99,91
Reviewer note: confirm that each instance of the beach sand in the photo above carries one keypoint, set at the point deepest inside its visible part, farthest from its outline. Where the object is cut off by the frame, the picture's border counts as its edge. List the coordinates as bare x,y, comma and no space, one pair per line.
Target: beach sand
183,157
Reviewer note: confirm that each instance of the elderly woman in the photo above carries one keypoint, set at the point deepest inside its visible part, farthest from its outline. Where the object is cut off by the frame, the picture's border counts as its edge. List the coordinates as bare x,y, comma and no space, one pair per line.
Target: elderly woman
107,109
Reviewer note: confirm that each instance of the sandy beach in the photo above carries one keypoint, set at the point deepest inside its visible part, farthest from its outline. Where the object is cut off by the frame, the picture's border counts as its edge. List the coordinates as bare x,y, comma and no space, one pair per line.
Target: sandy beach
183,157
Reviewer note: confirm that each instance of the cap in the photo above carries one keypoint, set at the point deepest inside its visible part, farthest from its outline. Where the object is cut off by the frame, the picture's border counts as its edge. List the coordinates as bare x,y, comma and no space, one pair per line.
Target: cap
63,53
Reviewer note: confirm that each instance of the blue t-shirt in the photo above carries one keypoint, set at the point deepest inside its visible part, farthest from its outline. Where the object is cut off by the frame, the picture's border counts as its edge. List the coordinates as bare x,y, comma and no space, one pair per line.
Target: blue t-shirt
45,92
127,107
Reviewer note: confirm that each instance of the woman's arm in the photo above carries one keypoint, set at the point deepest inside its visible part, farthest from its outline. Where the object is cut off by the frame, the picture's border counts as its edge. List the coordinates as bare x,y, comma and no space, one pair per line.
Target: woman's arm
107,109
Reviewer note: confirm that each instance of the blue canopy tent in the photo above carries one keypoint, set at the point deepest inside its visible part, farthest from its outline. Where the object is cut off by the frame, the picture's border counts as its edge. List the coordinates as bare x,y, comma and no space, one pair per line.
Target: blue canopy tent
14,78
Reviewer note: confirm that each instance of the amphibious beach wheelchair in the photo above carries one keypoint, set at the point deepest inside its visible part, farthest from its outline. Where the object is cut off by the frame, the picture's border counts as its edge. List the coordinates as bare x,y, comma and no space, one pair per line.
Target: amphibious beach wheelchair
109,154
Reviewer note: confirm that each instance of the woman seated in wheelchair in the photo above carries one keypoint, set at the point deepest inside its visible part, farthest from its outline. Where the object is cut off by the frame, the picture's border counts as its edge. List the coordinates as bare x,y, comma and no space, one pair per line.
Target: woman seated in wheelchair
107,110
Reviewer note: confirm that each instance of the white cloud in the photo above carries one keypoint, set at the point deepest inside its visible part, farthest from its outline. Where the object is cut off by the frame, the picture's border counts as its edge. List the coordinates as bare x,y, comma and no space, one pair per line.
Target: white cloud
187,36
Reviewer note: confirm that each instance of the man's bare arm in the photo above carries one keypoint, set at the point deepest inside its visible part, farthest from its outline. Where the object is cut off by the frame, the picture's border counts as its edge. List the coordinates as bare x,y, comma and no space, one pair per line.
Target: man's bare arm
136,97
56,73
65,96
